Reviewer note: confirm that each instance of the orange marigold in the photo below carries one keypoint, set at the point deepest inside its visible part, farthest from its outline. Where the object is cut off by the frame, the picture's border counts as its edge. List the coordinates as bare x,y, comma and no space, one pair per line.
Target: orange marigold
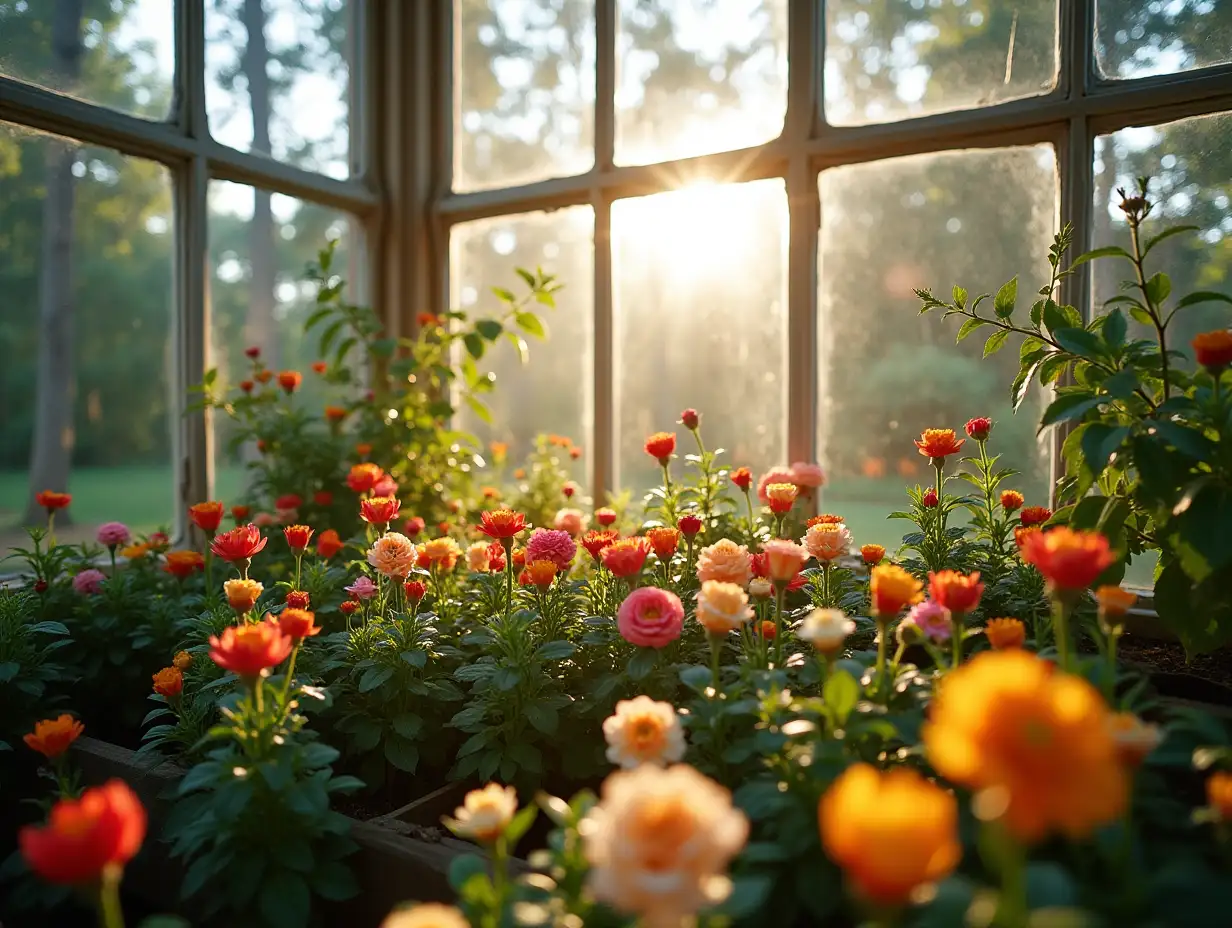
1034,515
661,445
51,500
183,564
939,444
206,516
872,554
891,588
664,540
1005,633
826,518
290,380
169,682
501,523
1114,601
52,737
1219,795
540,574
1011,500
625,558
960,593
1213,350
1069,560
363,477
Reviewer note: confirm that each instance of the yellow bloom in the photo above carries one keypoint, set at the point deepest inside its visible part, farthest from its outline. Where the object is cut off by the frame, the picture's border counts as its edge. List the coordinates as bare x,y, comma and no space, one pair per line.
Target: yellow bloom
182,659
135,552
1005,633
441,552
484,813
722,607
242,595
892,588
643,731
426,915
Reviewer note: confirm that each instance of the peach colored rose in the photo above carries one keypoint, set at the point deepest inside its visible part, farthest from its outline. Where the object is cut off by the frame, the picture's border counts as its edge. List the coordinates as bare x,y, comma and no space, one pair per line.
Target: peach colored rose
773,475
484,813
724,560
827,541
784,559
478,557
722,607
393,555
643,731
572,521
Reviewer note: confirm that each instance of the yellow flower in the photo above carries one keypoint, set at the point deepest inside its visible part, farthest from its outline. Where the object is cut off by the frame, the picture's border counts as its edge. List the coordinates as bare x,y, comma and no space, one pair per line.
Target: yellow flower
478,557
182,659
484,813
724,560
1005,633
135,552
892,588
242,595
643,731
441,552
1037,740
722,607
426,915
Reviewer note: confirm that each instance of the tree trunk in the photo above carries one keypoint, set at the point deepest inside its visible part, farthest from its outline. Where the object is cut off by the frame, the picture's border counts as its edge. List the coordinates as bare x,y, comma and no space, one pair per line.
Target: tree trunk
52,449
259,326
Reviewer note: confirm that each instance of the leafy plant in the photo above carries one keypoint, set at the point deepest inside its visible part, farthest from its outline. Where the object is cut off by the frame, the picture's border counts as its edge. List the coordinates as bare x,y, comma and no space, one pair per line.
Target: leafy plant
29,665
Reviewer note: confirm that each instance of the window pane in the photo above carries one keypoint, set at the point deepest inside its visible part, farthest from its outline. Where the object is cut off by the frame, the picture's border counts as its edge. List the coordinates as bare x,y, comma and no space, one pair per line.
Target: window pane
85,319
525,85
552,393
887,373
278,79
260,245
701,320
1188,164
1135,38
120,55
696,77
905,59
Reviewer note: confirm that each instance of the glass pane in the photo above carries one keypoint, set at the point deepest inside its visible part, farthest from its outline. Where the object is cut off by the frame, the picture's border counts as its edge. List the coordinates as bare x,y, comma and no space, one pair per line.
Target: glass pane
86,304
120,55
887,373
1188,163
903,59
525,85
1135,38
701,320
553,392
695,77
260,244
278,79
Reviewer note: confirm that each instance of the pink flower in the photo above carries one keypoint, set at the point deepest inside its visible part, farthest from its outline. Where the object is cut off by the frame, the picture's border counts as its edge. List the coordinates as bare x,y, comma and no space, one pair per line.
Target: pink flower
773,475
807,476
931,618
89,581
385,487
827,541
784,559
650,617
264,520
571,521
363,588
546,544
112,534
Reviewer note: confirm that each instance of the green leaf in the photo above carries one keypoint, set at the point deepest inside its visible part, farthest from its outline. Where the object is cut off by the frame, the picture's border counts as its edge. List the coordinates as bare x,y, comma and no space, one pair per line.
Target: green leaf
1099,441
840,695
408,725
1114,328
543,717
1069,406
204,774
521,822
530,324
462,868
478,408
749,894
504,295
1166,234
474,345
555,651
402,753
489,329
1110,251
417,659
1007,296
996,341
641,663
960,296
333,880
374,677
284,900
1079,341
1061,317
696,677
968,327
1158,288
1201,296
1186,440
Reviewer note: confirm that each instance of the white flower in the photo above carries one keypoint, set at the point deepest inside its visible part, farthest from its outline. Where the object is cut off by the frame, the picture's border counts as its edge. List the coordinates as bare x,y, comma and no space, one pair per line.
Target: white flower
643,731
722,607
827,629
760,586
484,813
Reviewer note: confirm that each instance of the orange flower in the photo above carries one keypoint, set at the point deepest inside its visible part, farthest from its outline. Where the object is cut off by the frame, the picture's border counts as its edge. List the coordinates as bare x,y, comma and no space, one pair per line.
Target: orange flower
290,380
379,510
1069,560
265,376
320,367
725,560
643,731
595,541
540,574
742,477
335,413
240,513
242,595
938,444
1011,500
87,837
1213,350
183,660
363,449
169,682
1219,795
328,543
51,500
625,558
52,737
1114,601
1005,633
661,446
441,552
1034,515
490,493
872,554
426,319
298,537
1022,534
206,516
664,540
182,564
501,523
426,914
1038,740
781,497
248,650
298,624
238,545
960,593
891,588
363,477
769,630
1134,739
891,832
826,518
784,559
394,555
135,552
499,449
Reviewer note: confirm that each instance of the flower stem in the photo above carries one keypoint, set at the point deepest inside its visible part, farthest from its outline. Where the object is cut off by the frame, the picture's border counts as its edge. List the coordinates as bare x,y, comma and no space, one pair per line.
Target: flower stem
110,912
957,627
507,544
883,632
1060,629
716,645
748,501
299,560
286,683
780,592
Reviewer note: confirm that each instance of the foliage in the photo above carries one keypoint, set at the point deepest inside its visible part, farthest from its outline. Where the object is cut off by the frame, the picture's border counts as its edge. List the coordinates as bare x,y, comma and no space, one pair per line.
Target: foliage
30,667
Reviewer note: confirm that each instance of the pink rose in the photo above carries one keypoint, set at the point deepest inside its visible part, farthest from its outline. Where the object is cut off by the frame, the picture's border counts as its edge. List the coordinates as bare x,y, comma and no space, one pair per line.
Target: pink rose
807,476
650,617
931,618
385,487
363,588
89,582
773,475
113,534
546,544
571,521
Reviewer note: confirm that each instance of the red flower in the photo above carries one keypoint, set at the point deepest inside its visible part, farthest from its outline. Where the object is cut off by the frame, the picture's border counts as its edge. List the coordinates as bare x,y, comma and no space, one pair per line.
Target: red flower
379,510
416,590
290,380
605,516
348,607
323,498
40,586
690,525
664,540
519,557
595,541
298,537
979,428
298,599
247,386
501,523
328,543
289,501
1213,350
240,513
742,477
413,526
51,500
246,650
183,564
363,449
86,837
238,545
335,413
206,516
960,593
1034,515
265,376
1011,500
320,367
1069,560
363,477
625,558
769,630
298,624
690,419
661,446
938,444
426,319
929,500
253,352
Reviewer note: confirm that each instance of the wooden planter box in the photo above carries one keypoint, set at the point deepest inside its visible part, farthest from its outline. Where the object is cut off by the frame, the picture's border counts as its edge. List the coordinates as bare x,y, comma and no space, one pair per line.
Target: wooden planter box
404,855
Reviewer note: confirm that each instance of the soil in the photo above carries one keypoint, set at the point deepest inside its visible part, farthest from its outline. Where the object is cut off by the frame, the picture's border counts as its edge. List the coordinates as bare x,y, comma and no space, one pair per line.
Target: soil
1168,658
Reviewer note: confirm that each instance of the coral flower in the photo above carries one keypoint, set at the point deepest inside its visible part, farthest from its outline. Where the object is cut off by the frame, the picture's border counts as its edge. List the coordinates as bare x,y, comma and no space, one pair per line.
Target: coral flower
624,558
415,590
242,595
206,516
413,526
298,599
807,476
742,477
1038,740
1219,795
773,475
1134,739
247,650
238,545
605,516
52,737
477,557
689,525
722,607
781,497
549,544
379,510
485,813
828,541
113,534
1069,560
540,574
298,538
441,552
88,582
1034,515
827,629
690,419
784,559
725,560
1213,350
290,380
87,838
891,832
183,660
659,842
426,914
979,427
320,367
169,682
1011,500
496,557
1005,633
335,413
298,624
1114,601
891,588
643,731
960,593
328,543
595,541
363,477
240,513
394,555
501,523
661,446
872,555
938,444
825,518
1022,534
572,521
768,630
932,619
183,564
348,607
264,376
650,617
52,501
664,540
